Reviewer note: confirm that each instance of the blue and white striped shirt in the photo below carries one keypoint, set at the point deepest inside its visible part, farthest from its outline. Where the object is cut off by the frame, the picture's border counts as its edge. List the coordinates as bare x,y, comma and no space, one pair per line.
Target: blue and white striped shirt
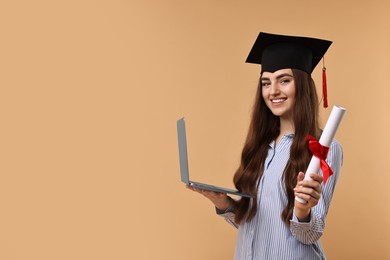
266,236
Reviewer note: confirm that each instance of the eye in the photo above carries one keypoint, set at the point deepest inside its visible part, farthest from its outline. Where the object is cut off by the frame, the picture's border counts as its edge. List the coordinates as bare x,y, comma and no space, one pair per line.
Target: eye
265,84
285,81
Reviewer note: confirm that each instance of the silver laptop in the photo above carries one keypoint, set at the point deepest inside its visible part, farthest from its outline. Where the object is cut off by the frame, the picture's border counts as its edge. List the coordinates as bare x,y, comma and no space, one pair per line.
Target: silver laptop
181,134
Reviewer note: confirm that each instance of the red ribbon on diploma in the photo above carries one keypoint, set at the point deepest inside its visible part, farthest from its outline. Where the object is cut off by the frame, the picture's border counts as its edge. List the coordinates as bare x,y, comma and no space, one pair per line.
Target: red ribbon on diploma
321,152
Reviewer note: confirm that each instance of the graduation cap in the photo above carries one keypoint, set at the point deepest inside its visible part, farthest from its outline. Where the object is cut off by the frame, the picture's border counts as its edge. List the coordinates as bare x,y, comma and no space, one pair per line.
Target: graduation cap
275,52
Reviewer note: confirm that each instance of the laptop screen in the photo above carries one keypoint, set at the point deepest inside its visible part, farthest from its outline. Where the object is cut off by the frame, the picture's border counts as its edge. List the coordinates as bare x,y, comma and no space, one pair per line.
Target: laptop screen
181,133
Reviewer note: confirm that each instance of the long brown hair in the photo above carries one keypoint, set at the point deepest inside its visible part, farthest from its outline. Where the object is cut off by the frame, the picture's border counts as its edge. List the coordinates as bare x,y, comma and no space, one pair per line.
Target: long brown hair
264,128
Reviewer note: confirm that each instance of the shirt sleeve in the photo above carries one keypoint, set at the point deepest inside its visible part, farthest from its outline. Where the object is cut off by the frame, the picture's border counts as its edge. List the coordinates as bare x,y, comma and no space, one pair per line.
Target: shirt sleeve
310,232
228,216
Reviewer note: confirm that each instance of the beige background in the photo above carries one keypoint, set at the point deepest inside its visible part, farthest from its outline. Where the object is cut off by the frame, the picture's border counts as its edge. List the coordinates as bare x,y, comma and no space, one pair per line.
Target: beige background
90,94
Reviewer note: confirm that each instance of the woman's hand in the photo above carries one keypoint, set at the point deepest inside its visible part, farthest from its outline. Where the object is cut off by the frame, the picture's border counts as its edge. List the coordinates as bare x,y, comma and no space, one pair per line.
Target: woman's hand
220,200
309,191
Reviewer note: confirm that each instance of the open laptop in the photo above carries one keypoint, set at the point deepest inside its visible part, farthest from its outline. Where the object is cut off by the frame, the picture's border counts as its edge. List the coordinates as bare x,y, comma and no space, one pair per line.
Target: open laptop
181,134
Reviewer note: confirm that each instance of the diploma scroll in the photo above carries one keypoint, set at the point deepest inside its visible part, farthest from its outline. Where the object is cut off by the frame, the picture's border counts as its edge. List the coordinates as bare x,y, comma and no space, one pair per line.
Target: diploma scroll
326,139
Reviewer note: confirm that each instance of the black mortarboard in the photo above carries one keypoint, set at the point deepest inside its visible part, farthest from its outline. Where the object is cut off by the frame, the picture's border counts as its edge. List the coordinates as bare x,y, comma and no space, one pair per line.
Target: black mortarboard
275,52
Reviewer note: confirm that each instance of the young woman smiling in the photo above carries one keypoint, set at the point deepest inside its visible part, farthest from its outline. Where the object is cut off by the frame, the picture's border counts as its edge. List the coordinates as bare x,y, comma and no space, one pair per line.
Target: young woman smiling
274,225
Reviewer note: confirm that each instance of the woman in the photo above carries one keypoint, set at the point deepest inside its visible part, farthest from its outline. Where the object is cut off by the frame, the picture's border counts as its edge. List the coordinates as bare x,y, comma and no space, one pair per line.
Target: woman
274,225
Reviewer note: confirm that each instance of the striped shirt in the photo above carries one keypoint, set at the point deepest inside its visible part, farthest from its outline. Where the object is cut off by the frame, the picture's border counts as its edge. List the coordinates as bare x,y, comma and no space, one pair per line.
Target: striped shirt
266,236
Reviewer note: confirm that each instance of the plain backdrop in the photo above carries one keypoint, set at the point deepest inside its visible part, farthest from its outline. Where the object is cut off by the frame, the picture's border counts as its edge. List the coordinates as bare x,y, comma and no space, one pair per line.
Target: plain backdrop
90,95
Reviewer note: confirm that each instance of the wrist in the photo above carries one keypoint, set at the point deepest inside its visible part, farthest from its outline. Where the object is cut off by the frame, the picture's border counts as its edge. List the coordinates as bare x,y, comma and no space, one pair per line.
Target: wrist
229,205
303,215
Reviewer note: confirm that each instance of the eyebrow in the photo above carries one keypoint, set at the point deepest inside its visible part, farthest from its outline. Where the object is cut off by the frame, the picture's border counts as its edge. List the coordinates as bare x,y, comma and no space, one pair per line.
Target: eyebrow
279,76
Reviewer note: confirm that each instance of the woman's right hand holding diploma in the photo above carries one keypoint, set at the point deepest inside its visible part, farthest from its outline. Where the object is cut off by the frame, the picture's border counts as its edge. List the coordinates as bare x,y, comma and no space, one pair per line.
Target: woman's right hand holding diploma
310,191
220,200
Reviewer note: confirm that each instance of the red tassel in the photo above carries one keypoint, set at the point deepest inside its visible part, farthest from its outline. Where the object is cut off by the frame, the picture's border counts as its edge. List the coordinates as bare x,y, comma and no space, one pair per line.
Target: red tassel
324,87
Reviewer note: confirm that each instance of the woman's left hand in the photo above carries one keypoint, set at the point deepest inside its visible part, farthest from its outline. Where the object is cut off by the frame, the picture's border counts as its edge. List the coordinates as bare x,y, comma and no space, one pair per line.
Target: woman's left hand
309,191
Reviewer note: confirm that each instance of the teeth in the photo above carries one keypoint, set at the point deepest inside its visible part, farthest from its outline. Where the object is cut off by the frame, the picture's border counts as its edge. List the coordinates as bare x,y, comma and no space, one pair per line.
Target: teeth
278,100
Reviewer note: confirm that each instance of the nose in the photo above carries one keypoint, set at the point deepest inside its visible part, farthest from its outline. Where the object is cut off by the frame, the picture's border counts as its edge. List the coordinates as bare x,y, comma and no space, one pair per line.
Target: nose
274,89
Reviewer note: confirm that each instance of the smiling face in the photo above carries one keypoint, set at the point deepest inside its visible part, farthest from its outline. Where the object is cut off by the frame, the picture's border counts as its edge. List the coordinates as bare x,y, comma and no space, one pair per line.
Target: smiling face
278,91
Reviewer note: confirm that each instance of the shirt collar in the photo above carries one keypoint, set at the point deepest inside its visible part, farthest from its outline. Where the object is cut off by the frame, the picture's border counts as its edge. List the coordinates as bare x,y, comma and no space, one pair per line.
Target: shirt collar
289,136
